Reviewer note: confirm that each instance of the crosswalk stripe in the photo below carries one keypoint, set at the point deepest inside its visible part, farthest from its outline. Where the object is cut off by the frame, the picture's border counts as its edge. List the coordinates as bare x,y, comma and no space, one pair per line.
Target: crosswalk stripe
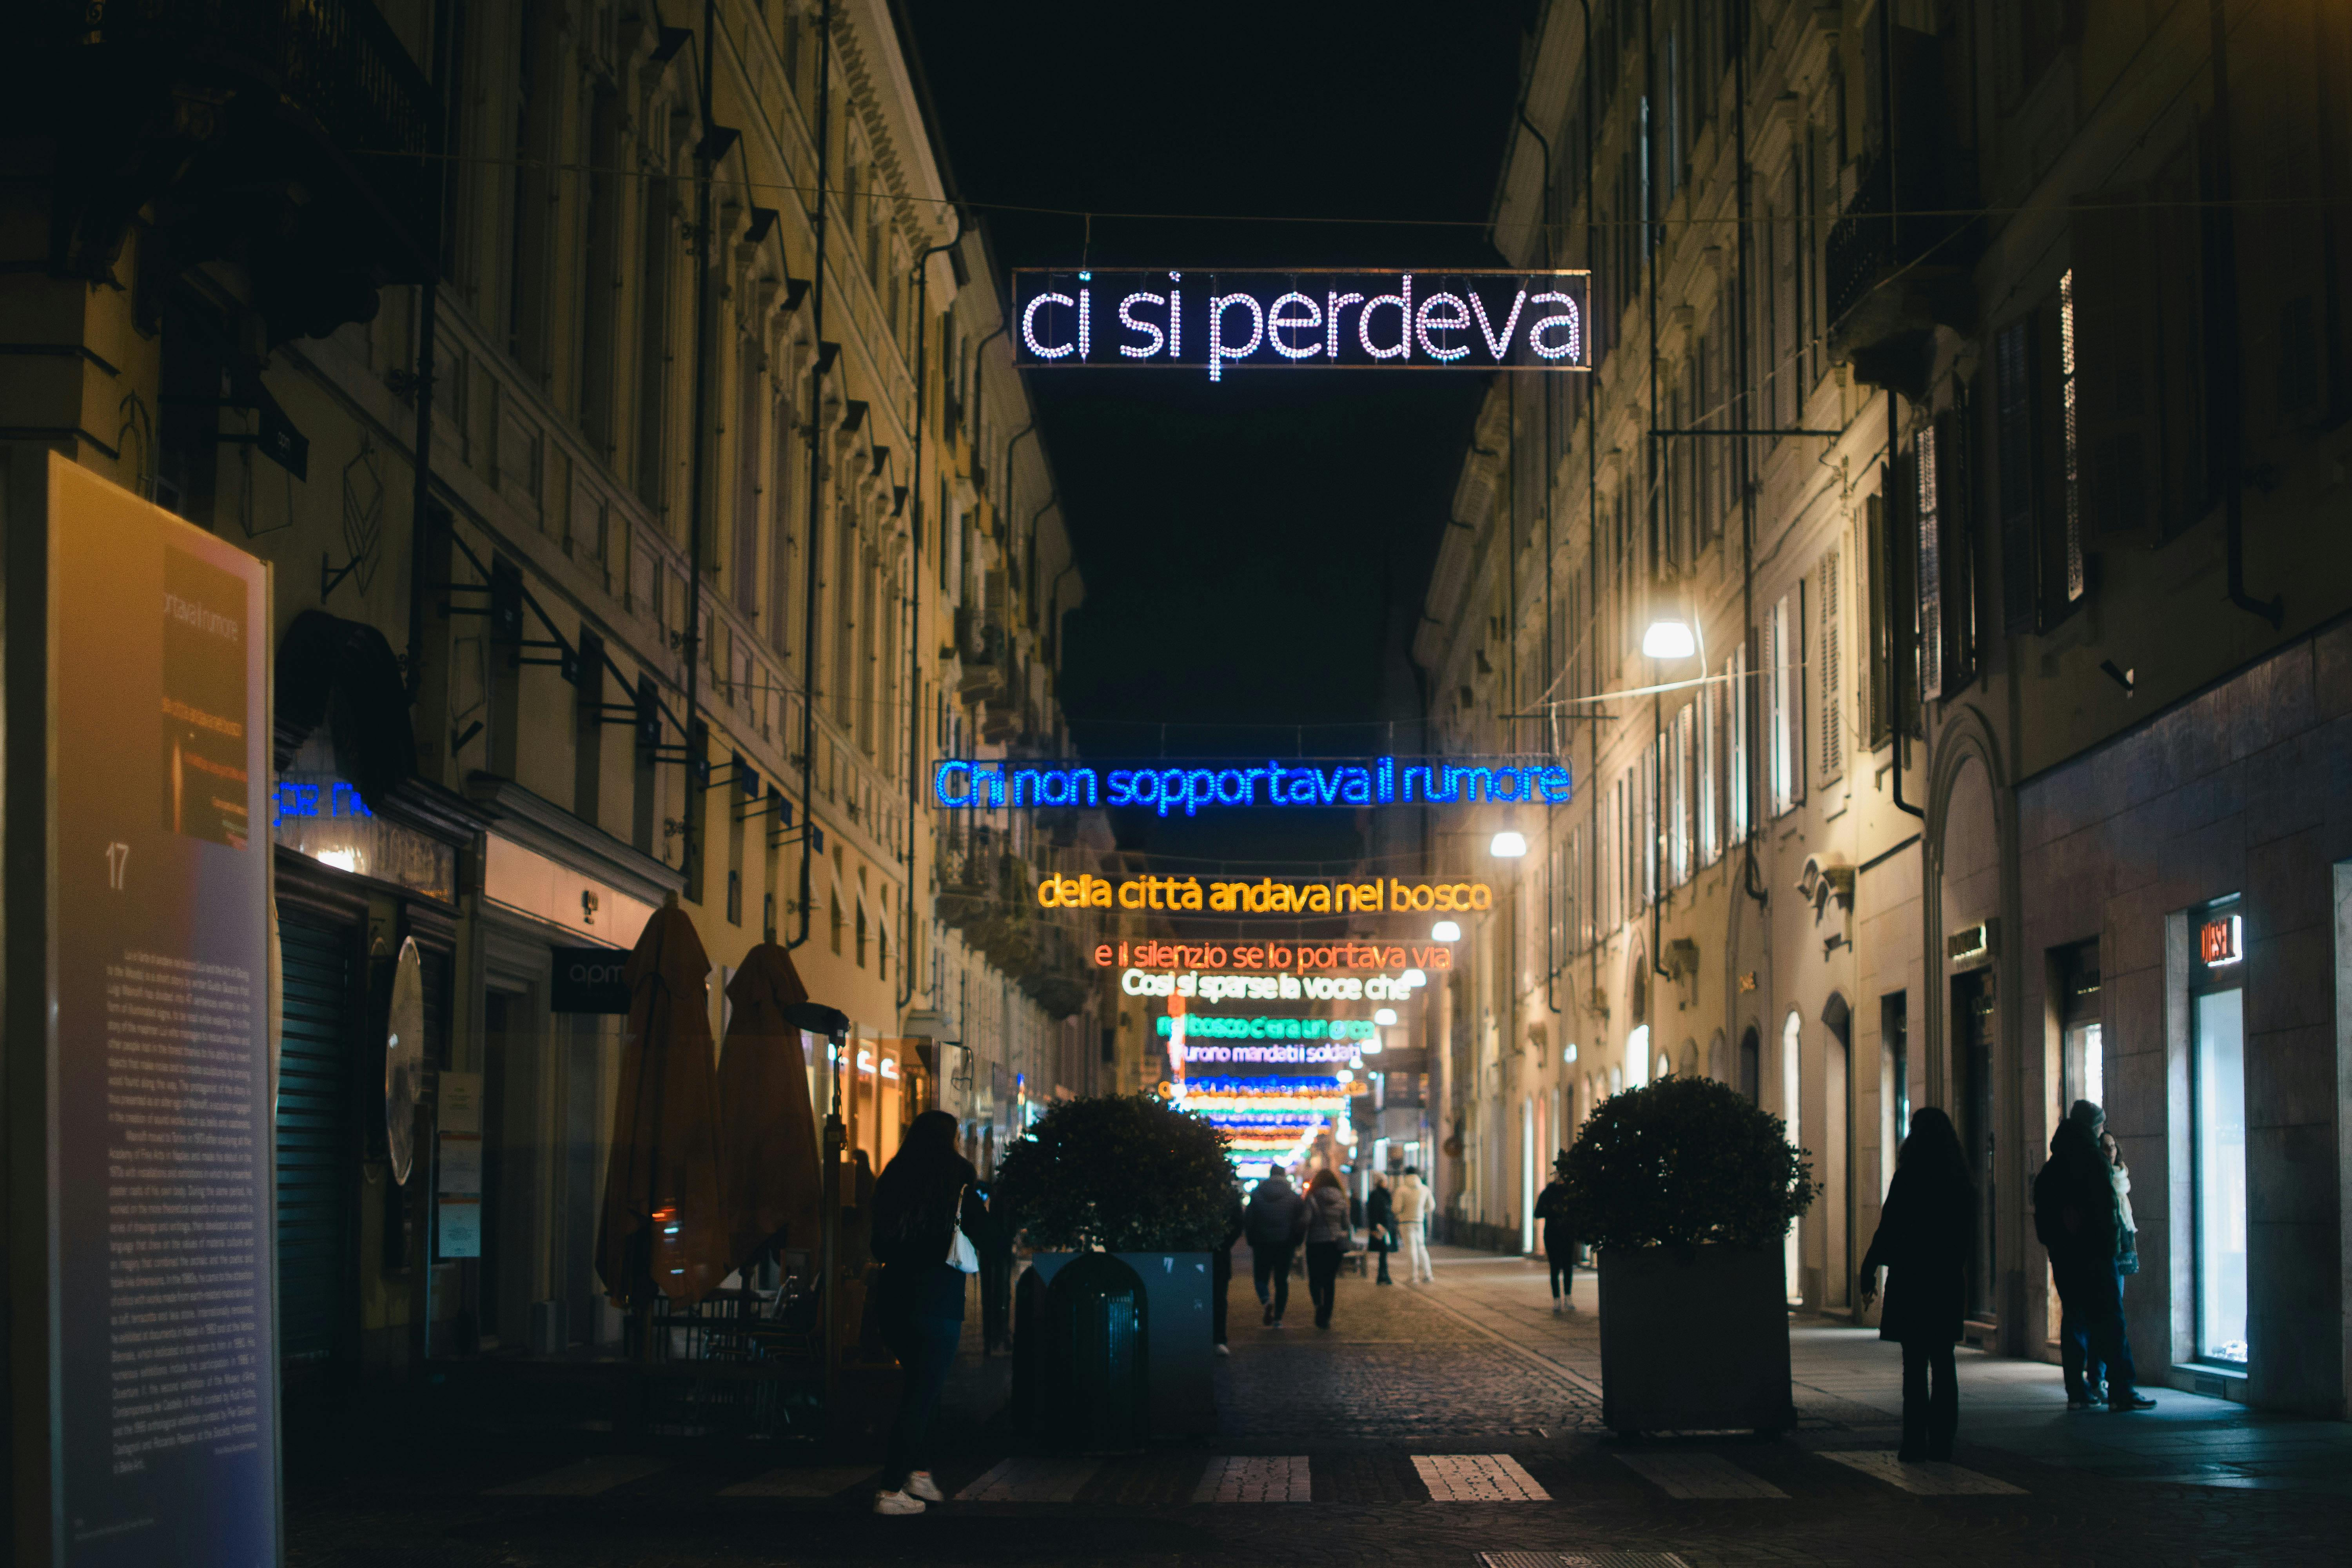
1031,1480
1931,1478
1256,1478
1477,1478
801,1483
589,1478
1700,1475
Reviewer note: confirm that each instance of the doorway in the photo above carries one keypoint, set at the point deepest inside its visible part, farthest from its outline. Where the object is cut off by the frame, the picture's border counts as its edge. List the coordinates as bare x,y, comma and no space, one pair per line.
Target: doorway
1973,1028
1791,1084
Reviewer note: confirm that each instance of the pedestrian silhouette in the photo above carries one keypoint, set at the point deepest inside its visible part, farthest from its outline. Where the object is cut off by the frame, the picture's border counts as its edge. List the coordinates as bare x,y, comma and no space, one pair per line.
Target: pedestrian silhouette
1923,1243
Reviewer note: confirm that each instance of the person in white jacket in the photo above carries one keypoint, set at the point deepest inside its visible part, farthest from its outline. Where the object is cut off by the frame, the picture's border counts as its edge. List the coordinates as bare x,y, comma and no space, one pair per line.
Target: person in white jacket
1413,1204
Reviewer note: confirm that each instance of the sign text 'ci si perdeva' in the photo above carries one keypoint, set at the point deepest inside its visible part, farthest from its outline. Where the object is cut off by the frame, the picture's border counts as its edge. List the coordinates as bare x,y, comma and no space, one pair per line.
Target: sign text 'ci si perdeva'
1305,320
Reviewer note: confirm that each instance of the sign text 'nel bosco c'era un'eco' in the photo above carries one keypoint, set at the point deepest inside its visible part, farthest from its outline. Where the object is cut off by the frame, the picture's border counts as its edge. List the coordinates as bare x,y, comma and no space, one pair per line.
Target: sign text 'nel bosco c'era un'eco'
1303,319
965,783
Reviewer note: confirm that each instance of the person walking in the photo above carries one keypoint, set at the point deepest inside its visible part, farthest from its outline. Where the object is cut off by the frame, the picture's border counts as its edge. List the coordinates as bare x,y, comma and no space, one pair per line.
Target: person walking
1923,1243
926,1204
1411,1204
1275,1224
1559,1242
1328,1235
1380,1223
2079,1221
1220,1273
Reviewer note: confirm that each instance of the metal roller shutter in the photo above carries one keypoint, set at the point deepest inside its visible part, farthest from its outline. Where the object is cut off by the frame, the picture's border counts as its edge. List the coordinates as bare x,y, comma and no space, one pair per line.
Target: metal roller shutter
316,1159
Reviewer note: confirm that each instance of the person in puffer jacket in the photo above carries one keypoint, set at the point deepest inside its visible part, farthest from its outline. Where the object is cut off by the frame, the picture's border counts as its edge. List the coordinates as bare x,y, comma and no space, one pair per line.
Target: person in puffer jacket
1328,1235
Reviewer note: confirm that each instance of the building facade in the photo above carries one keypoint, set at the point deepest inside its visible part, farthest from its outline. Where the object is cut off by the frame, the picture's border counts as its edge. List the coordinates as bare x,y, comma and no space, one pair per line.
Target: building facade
735,518
1969,382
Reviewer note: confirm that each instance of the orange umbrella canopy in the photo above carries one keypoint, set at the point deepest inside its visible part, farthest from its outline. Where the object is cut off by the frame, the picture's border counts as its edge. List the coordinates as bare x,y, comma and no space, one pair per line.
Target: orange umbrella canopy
664,1176
763,1096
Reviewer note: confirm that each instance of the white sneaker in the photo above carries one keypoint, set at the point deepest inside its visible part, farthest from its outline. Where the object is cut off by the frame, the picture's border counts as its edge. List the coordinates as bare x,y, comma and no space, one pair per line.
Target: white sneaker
920,1485
896,1502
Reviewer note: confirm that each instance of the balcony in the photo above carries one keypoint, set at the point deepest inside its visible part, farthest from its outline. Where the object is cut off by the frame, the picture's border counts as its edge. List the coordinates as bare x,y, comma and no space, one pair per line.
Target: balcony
1899,264
296,136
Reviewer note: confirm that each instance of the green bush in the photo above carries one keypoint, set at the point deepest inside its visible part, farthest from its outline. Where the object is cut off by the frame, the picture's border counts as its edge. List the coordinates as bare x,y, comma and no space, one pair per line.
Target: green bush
1685,1161
1124,1172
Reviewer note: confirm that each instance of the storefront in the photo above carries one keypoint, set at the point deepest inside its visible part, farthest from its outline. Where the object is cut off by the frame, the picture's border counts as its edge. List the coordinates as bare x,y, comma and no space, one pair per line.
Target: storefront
2180,961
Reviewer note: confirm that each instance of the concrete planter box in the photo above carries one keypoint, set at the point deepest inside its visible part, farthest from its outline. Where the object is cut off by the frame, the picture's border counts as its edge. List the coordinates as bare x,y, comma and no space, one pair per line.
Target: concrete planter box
1694,1339
1178,1339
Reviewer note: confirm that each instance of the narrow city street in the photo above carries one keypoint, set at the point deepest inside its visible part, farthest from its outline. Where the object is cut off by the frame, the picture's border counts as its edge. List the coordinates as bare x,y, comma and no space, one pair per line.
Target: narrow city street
1431,1425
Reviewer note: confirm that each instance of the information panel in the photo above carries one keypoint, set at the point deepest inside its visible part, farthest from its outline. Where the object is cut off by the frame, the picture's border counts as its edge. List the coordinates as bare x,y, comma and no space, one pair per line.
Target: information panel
159,642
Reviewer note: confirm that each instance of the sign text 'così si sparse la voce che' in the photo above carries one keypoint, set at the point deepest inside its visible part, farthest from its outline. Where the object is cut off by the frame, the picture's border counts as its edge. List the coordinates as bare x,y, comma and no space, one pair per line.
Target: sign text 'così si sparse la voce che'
1301,318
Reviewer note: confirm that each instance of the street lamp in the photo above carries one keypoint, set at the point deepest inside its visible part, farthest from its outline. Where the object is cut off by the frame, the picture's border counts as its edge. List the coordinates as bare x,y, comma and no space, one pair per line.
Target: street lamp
1510,844
1669,636
1445,930
1385,1017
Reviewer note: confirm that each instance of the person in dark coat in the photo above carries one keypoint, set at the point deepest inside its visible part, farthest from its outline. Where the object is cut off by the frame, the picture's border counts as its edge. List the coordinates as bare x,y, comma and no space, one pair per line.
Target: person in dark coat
1275,1223
1559,1241
926,1199
1220,1274
1379,1222
1923,1243
1328,1235
2078,1221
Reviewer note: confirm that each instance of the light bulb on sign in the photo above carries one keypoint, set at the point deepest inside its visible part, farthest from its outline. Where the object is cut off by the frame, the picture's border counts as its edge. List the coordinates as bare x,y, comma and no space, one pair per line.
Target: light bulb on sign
1445,930
1509,845
1385,1016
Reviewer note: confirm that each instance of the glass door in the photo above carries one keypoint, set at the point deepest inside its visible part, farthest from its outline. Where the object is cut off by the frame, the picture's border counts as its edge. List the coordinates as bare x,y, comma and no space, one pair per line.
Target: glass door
1972,1021
2217,1126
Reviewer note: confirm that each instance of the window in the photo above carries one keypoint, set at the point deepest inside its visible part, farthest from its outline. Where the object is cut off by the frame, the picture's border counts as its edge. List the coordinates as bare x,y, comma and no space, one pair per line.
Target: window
2218,1128
1830,638
1791,1248
1784,734
2072,579
2082,1035
1679,793
1737,799
1710,766
1931,560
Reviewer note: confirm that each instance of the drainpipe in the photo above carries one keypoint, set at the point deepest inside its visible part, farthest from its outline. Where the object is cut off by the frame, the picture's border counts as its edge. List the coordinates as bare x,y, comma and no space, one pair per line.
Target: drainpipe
2221,250
815,490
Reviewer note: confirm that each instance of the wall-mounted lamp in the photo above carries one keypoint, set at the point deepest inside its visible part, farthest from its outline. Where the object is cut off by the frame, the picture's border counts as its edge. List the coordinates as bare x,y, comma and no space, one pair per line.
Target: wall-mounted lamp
1445,930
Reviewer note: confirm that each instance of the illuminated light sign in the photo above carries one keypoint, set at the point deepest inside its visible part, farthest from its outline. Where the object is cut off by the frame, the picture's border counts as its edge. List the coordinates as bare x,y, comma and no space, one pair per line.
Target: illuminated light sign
2219,940
1264,897
1333,1051
1296,957
1304,319
1209,1027
965,783
1266,987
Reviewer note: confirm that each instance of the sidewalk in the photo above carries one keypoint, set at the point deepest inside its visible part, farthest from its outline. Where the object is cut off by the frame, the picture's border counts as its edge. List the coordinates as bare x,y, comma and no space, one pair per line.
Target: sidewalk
1850,1383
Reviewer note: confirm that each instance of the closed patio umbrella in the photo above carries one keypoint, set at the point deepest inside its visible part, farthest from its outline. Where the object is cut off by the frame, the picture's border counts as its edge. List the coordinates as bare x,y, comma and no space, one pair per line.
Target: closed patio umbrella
666,1171
771,1169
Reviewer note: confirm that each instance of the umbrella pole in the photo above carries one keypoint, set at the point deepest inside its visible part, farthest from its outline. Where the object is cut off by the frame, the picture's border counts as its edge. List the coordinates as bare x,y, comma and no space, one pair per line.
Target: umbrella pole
829,1190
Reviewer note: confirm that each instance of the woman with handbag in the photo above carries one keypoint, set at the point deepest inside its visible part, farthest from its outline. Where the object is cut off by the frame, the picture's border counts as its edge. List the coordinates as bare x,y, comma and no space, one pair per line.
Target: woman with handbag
1327,1237
924,1202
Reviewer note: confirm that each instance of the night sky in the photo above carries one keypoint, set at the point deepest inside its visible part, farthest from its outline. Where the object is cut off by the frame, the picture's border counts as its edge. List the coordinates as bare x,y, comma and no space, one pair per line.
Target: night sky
1238,540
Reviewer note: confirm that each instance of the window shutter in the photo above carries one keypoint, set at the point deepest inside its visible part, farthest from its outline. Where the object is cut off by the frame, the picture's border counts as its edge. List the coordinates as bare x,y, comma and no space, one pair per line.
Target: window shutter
1767,650
1878,687
1930,559
2119,348
2020,553
1832,667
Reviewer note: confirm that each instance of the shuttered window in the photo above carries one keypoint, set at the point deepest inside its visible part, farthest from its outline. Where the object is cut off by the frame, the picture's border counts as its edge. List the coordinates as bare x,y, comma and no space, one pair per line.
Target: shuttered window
2072,579
1930,561
1830,638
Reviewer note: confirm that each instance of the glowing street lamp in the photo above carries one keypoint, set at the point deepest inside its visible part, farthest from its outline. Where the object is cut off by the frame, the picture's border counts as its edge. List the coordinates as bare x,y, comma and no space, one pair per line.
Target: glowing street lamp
1385,1017
1669,638
1445,930
1510,844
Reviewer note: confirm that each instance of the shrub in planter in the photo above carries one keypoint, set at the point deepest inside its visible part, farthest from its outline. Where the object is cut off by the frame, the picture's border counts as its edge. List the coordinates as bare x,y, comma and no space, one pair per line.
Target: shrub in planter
1133,1177
1687,1189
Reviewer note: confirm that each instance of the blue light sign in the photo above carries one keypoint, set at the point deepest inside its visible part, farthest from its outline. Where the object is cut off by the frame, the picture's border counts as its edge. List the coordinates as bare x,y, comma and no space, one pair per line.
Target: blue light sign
969,784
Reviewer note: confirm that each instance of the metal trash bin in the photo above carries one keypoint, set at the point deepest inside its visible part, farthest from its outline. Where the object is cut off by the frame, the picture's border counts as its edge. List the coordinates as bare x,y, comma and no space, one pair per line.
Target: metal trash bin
1095,1361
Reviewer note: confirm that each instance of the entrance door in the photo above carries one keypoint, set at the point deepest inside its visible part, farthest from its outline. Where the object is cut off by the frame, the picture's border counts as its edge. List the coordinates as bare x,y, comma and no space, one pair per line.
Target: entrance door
317,1146
1972,1026
1837,1181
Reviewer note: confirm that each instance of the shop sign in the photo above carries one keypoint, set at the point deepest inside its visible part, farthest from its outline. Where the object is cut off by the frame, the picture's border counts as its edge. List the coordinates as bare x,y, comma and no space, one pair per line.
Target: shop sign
1301,318
148,980
967,783
1264,897
588,980
2218,940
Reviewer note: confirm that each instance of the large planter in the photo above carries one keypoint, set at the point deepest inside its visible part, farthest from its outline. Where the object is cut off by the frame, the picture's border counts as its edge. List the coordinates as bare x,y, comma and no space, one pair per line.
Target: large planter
1178,1343
1694,1339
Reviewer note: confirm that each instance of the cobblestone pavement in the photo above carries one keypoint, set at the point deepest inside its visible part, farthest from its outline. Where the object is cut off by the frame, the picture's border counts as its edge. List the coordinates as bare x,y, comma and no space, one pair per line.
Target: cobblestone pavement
1431,1425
